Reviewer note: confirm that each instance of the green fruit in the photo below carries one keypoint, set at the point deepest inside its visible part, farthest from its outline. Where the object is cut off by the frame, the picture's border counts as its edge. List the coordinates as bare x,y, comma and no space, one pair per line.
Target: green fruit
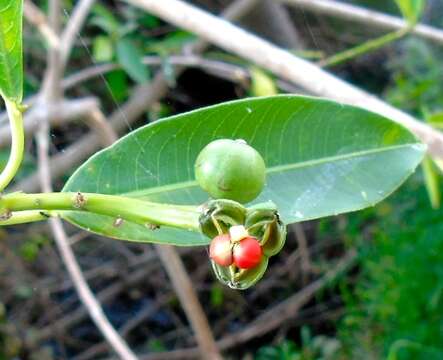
230,169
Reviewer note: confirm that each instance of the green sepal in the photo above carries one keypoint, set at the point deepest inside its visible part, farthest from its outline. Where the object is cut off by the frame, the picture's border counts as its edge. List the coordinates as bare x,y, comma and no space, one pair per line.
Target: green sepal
263,222
239,279
226,212
244,279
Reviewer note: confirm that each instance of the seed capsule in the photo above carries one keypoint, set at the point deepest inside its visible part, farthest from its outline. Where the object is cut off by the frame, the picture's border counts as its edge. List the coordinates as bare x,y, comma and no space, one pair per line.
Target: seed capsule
230,169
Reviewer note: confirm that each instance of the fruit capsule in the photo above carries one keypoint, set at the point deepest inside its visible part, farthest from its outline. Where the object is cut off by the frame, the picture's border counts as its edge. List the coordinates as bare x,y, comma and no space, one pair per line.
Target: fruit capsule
230,169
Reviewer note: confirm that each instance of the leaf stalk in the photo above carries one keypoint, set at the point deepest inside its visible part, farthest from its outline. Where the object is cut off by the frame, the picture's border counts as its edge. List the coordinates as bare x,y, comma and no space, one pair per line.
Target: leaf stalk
17,143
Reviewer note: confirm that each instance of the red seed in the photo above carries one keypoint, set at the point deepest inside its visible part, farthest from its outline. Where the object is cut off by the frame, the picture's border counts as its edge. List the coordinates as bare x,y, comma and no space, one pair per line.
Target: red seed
220,250
247,253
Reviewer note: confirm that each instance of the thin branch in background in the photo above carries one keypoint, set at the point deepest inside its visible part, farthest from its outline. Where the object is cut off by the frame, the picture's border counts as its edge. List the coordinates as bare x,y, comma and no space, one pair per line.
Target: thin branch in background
305,258
86,295
58,113
365,16
37,18
72,29
97,121
272,21
189,301
51,90
284,64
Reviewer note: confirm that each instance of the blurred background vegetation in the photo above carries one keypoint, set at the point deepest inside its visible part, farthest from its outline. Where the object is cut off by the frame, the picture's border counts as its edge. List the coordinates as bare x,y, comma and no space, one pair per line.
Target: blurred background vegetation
389,305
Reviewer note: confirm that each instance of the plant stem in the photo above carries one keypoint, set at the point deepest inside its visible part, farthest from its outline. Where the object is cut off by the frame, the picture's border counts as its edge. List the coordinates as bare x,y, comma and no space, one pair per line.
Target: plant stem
365,47
133,210
17,143
26,216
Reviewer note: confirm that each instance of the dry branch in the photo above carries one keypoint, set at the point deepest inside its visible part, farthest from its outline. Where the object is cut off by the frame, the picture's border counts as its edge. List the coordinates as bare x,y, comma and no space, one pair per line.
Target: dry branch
284,64
72,29
58,113
37,18
189,301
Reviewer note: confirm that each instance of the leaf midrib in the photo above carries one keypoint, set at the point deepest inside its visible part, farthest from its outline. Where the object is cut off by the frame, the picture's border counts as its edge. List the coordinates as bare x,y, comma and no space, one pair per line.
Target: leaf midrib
274,169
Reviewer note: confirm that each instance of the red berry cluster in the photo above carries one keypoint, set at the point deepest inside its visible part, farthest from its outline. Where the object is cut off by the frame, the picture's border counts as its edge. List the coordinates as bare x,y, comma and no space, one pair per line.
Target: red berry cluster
245,253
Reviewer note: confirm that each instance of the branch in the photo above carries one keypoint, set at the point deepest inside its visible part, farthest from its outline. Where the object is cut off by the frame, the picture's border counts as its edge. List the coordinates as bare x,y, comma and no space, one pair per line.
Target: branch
189,301
272,21
86,295
72,29
57,113
365,16
51,89
284,64
305,258
37,18
98,122
222,69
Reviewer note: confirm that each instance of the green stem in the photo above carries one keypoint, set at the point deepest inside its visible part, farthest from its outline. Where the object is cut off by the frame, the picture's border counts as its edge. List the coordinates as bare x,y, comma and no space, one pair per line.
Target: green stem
365,47
129,209
17,143
26,216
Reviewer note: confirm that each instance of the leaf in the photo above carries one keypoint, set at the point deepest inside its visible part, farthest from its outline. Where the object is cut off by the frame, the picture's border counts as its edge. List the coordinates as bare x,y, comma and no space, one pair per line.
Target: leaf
435,119
261,83
432,182
104,19
102,49
11,57
118,83
323,158
411,9
130,58
173,42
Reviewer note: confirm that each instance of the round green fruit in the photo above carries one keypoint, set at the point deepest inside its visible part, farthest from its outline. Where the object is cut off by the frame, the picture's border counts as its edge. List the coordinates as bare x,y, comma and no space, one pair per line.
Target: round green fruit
230,169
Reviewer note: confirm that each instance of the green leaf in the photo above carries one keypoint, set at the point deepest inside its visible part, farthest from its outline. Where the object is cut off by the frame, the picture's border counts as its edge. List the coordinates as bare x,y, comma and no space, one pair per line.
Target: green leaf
130,58
323,158
118,83
432,182
102,49
261,83
411,9
105,19
11,58
435,119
